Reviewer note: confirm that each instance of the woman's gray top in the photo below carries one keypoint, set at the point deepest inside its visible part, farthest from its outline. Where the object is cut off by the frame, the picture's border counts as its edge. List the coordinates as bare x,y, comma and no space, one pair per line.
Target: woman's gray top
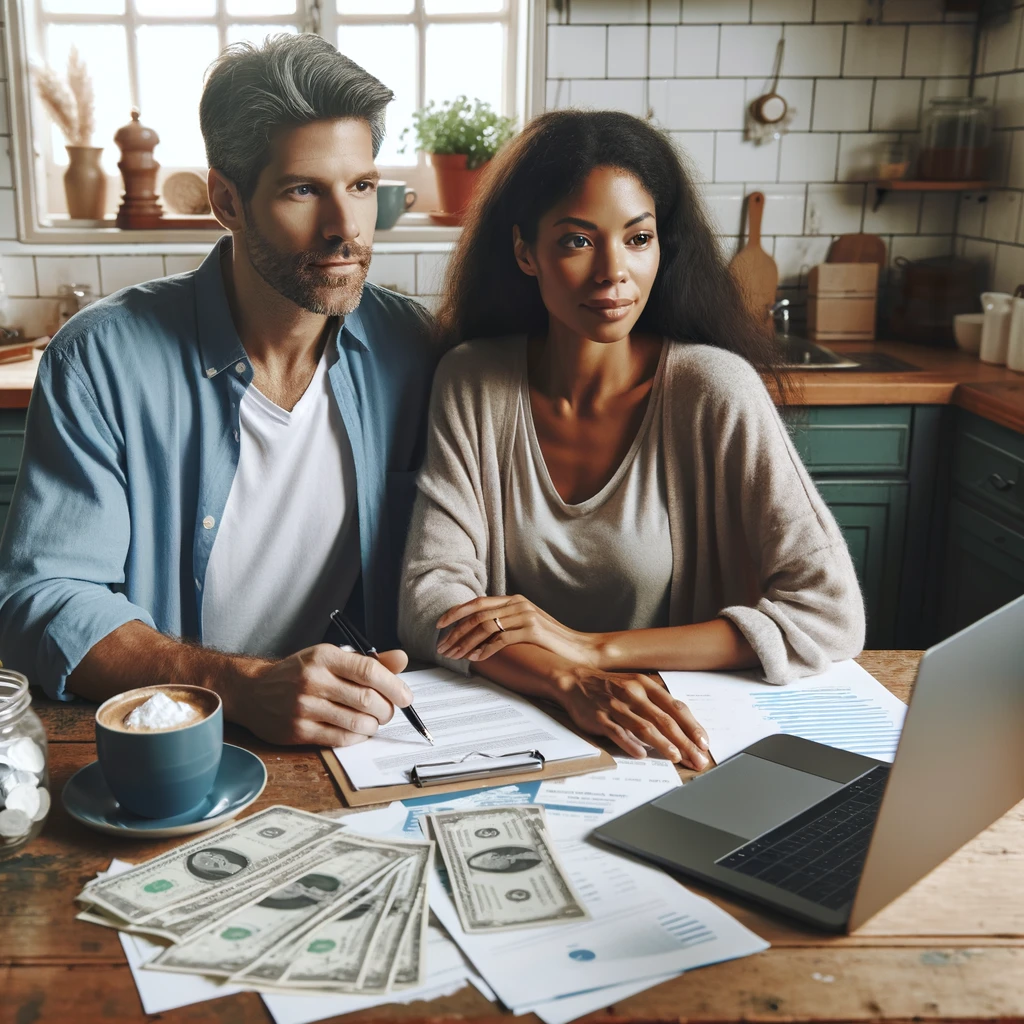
604,564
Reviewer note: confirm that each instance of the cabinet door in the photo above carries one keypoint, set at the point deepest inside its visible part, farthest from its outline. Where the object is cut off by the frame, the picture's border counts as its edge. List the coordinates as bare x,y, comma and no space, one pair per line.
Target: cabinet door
872,515
984,567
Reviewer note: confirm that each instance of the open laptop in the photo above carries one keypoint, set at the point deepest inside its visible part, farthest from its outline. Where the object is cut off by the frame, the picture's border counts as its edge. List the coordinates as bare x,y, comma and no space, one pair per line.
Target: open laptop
831,837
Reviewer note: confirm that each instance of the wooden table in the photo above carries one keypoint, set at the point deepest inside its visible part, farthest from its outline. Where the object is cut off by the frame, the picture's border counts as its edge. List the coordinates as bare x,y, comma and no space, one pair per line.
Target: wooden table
952,948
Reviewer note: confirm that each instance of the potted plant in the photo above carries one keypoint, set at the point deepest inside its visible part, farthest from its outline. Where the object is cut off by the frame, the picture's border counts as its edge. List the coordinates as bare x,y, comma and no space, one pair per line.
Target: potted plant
72,108
460,138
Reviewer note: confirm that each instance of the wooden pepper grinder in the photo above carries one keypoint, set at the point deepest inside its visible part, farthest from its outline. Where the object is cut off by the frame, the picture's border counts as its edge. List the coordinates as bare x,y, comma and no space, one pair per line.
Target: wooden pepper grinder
140,206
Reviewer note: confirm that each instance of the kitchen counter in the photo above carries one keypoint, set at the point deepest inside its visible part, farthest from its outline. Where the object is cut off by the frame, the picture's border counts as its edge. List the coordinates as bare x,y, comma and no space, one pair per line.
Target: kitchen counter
945,377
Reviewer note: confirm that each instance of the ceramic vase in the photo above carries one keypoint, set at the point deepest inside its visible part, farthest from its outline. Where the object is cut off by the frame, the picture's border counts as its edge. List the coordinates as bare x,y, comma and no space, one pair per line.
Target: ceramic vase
455,181
85,184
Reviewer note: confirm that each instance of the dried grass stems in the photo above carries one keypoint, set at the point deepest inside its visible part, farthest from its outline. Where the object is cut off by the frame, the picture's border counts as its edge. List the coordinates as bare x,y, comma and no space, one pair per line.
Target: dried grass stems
73,105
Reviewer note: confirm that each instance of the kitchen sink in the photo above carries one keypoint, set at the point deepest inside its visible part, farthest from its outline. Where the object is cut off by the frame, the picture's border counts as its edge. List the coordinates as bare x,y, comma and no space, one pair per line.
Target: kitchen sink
804,354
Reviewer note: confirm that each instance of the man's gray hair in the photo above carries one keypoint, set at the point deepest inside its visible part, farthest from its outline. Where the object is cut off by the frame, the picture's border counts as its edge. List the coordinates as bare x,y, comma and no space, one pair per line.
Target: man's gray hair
288,81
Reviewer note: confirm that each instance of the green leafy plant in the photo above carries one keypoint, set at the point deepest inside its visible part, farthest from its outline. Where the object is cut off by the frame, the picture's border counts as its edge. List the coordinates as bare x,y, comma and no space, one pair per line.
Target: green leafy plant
458,126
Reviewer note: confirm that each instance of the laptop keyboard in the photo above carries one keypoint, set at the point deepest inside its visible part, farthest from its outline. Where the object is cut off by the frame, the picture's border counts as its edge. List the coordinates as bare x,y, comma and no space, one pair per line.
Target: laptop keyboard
818,854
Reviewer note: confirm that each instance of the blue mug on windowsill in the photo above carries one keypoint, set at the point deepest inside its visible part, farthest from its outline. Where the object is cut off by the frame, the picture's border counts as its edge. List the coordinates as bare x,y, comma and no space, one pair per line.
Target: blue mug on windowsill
393,199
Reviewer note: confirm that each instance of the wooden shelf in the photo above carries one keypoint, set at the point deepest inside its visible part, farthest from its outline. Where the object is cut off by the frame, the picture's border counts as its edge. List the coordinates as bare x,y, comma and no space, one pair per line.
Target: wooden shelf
886,185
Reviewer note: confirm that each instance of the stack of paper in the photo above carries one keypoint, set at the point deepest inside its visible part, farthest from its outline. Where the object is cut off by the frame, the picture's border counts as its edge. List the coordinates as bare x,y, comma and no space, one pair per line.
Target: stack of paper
643,927
844,707
466,717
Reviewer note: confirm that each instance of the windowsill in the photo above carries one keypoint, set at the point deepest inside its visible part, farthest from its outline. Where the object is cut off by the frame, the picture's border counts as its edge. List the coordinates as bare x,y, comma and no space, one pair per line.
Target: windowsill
414,232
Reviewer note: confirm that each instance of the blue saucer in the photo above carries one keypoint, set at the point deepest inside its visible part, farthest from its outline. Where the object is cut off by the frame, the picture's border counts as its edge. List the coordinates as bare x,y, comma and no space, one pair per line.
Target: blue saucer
240,780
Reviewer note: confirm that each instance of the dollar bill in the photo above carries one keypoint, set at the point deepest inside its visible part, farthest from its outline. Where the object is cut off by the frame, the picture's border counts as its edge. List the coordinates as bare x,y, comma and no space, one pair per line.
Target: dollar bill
410,965
344,941
204,871
503,869
239,940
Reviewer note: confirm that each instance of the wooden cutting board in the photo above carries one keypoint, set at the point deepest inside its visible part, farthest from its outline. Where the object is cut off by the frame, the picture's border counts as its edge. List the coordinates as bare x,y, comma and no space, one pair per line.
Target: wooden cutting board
755,271
857,249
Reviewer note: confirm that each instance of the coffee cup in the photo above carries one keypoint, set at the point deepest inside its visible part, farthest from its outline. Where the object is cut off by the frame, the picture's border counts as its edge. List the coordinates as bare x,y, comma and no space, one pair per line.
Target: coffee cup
393,199
156,764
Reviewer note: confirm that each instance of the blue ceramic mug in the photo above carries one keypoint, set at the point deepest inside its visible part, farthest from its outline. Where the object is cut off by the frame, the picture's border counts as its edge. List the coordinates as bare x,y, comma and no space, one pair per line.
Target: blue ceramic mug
393,199
160,772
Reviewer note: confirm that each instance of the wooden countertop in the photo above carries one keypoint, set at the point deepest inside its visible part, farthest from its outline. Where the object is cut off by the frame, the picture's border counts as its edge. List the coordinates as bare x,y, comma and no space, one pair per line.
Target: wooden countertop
949,949
945,377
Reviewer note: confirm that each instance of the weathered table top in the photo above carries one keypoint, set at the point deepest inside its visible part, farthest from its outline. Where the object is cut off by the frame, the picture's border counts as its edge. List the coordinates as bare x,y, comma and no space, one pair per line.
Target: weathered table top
952,948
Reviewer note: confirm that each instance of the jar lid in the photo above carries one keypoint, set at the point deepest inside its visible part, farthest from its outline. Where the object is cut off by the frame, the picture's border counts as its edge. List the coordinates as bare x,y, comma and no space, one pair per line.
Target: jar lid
958,101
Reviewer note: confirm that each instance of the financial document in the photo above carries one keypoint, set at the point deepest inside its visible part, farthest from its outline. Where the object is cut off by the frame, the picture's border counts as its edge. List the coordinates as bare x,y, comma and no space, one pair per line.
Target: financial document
466,717
645,926
844,707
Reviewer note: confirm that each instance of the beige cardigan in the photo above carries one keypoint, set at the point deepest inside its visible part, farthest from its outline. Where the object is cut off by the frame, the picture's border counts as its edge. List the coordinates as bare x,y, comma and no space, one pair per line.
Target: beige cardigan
752,540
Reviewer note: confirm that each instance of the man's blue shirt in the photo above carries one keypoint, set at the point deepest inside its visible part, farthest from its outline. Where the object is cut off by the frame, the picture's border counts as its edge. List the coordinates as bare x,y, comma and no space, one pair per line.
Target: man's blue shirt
132,440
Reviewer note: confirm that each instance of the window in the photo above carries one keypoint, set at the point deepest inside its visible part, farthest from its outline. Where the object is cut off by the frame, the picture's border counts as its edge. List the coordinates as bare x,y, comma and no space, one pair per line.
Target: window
153,53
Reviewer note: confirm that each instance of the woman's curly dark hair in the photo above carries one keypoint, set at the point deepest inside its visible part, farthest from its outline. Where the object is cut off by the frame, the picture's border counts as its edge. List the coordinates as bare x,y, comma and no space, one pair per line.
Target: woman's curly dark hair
694,296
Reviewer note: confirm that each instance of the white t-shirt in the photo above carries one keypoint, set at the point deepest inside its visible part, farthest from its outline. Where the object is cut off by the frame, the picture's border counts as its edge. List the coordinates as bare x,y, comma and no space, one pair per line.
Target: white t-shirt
287,547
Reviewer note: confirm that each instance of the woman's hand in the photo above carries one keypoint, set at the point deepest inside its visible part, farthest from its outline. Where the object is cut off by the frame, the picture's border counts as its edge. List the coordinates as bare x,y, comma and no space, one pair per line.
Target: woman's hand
482,627
634,710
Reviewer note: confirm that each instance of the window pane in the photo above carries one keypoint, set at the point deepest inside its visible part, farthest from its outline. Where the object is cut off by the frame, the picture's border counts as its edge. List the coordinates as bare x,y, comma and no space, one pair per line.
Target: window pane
260,8
104,48
255,34
375,6
389,53
466,60
464,6
176,8
172,60
83,6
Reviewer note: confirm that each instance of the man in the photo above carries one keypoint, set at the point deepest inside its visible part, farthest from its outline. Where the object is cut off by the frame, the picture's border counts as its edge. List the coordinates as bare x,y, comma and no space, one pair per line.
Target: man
215,461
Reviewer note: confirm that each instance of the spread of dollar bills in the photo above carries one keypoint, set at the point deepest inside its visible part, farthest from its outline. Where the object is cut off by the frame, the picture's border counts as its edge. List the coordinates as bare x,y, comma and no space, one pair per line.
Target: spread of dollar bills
502,868
284,900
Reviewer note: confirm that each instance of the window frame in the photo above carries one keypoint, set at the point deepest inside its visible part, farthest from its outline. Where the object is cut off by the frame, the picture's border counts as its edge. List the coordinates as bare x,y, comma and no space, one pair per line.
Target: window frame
524,88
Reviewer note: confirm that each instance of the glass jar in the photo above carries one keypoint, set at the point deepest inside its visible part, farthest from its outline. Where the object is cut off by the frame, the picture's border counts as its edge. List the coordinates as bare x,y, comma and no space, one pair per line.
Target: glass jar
72,298
893,160
24,767
956,139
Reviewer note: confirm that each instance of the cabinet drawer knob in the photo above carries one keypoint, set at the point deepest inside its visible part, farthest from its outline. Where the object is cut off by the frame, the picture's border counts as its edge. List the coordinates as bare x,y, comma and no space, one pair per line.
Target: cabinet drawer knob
1000,483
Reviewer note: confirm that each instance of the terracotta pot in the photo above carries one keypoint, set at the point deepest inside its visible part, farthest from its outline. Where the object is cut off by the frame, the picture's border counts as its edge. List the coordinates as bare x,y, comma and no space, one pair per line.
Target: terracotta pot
455,182
85,184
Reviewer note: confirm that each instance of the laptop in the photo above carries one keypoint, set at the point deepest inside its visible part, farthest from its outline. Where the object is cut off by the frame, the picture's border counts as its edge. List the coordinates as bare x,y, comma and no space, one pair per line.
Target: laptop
831,837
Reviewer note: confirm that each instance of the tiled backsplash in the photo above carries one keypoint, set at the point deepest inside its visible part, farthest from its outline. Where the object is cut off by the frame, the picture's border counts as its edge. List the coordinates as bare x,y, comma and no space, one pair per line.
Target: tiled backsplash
990,226
856,72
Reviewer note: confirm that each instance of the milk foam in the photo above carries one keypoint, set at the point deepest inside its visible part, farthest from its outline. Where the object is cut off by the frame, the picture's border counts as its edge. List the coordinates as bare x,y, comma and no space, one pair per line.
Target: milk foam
160,712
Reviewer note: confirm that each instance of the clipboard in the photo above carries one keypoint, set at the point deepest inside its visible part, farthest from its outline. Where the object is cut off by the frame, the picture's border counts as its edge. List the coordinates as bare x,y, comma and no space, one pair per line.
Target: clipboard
531,773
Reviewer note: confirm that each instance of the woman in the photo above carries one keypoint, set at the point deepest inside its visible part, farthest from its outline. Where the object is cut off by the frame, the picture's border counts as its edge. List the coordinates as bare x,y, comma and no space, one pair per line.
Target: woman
608,488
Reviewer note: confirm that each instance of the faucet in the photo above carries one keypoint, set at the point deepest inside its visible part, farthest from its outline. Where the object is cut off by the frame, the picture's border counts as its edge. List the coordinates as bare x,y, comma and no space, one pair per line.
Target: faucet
780,314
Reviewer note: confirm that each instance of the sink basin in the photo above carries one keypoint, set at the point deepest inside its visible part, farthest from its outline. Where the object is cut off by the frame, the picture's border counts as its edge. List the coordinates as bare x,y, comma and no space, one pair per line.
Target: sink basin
804,354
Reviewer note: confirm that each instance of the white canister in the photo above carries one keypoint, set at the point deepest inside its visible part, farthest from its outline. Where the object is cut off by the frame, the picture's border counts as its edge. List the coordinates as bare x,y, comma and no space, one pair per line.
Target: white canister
995,330
1015,348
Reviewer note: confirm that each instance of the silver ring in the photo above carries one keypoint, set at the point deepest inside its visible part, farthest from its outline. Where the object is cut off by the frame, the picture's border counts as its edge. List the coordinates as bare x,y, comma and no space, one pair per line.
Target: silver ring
497,622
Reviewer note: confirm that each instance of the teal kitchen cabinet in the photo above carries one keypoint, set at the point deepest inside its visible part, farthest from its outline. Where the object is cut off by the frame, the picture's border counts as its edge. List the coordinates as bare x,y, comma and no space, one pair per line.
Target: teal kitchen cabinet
874,466
983,558
12,436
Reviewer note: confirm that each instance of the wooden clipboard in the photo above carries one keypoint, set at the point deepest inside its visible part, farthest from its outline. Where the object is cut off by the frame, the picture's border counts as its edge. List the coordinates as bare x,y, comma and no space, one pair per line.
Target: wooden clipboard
385,794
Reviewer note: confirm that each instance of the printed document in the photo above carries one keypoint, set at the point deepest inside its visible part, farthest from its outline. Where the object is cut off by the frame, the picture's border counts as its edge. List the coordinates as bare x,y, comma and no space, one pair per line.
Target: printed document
466,717
843,707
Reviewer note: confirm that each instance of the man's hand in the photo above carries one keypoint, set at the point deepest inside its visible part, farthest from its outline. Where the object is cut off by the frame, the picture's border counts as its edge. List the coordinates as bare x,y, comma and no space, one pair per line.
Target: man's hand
636,712
323,695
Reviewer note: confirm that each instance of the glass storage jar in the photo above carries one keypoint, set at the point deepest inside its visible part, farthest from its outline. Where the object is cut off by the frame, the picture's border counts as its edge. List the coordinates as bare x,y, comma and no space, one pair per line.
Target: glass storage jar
24,767
956,139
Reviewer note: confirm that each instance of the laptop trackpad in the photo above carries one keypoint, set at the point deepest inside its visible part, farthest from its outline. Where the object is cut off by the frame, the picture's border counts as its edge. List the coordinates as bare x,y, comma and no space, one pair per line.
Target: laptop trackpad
747,795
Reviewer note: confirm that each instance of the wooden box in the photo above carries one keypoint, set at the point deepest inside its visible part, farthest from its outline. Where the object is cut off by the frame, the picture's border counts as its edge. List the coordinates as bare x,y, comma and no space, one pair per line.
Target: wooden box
842,301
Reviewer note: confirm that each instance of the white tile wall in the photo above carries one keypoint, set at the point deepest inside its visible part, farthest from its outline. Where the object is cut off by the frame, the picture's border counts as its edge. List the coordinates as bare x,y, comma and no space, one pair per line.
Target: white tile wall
697,64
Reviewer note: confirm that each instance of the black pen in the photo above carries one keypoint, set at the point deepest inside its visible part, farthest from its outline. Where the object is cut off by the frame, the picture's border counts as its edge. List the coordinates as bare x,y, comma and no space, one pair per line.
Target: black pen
363,647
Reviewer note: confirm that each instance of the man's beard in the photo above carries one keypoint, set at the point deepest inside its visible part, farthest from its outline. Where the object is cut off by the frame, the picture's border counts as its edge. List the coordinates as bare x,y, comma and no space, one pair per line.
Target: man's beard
294,275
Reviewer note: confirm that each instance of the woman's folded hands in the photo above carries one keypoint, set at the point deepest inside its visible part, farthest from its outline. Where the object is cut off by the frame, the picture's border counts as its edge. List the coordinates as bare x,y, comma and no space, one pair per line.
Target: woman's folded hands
631,708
